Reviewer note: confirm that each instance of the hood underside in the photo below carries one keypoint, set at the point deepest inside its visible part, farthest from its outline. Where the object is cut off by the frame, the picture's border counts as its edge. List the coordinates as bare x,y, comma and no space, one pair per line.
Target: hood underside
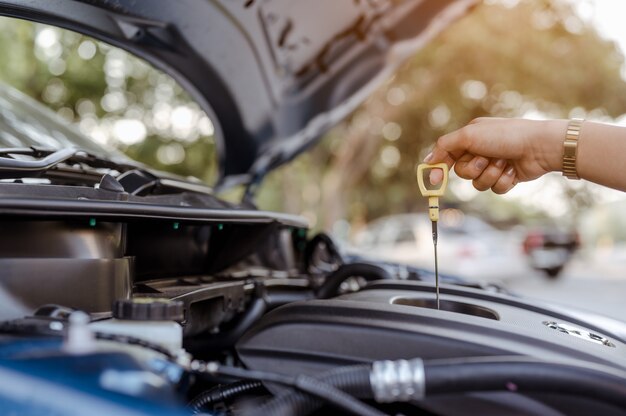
273,75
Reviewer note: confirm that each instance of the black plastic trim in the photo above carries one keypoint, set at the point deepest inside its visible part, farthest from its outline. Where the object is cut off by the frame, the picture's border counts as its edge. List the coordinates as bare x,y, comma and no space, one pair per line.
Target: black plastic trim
130,210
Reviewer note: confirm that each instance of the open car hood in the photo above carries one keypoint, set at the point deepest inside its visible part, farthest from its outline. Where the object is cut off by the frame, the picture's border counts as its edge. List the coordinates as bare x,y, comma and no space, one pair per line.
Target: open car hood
273,75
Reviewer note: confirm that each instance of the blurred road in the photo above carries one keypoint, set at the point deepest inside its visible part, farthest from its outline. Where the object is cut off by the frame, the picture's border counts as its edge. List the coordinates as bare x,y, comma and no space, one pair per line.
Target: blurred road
593,284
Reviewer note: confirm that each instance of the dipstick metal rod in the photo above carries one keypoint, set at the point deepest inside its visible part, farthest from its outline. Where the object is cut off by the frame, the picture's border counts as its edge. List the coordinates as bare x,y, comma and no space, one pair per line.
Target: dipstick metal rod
433,207
434,224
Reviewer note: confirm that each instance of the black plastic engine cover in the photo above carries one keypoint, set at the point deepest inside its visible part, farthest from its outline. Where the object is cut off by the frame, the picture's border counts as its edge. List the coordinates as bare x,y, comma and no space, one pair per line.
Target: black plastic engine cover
392,320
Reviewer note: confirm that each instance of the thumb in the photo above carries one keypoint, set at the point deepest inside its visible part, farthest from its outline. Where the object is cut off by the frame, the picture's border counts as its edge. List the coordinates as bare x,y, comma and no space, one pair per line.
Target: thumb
435,176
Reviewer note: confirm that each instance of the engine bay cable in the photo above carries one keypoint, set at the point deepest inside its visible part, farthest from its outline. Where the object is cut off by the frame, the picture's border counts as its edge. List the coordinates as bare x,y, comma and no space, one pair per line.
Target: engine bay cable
223,393
130,340
323,242
526,376
349,379
305,384
415,380
24,327
334,280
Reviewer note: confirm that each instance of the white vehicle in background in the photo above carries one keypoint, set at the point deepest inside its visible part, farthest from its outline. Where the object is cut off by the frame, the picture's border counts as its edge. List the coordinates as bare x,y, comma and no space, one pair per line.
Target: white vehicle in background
550,248
468,246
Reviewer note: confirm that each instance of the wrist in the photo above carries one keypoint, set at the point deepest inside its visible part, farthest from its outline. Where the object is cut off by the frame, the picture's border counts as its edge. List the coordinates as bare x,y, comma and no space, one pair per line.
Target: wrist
550,154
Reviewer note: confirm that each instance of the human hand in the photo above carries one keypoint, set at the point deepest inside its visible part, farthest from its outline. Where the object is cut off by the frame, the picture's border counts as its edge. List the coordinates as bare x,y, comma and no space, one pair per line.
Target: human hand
498,153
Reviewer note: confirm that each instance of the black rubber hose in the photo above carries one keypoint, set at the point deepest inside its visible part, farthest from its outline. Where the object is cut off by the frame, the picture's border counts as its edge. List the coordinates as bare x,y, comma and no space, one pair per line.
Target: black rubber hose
313,244
526,377
365,270
317,388
482,375
220,394
278,297
353,380
335,397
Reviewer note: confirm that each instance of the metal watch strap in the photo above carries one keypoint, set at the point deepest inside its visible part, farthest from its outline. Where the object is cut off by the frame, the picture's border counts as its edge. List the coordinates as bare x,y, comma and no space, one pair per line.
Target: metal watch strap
570,148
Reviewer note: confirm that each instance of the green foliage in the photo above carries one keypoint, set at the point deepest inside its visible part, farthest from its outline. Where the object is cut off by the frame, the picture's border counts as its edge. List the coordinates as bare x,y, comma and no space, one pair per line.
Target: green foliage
534,58
112,96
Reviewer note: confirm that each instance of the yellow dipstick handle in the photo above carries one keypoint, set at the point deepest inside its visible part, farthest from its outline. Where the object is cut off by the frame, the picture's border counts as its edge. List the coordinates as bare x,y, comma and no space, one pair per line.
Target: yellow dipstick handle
432,194
433,207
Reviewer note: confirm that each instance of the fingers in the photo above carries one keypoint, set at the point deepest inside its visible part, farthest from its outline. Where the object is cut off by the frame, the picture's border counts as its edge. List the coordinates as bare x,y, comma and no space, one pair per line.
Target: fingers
438,155
470,167
479,152
487,137
490,175
442,151
467,166
505,182
449,149
498,176
436,175
484,174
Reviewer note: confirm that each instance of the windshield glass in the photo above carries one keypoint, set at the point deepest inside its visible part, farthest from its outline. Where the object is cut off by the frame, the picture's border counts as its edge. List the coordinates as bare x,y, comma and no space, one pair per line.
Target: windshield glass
26,123
99,98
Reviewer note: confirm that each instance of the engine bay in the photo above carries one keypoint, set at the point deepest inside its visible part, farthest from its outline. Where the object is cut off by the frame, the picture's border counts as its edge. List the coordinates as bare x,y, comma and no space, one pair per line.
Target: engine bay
187,309
128,291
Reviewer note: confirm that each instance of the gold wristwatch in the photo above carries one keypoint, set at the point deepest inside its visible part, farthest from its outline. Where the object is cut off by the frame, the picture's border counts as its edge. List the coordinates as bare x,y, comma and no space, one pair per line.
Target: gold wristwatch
570,148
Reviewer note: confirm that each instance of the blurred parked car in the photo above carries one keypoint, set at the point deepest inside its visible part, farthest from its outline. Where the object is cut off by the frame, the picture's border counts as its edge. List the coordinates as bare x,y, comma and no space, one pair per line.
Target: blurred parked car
468,246
548,249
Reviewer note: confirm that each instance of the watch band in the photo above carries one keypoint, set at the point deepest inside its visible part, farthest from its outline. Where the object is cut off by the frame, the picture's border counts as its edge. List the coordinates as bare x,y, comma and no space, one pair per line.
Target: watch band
570,148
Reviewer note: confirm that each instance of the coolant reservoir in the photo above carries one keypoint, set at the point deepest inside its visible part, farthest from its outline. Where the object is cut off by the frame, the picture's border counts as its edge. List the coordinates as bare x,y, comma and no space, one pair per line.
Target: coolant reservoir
151,319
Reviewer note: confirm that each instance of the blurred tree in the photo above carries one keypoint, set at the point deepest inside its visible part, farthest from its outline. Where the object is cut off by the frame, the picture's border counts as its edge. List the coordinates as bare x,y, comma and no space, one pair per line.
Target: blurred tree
112,96
505,59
